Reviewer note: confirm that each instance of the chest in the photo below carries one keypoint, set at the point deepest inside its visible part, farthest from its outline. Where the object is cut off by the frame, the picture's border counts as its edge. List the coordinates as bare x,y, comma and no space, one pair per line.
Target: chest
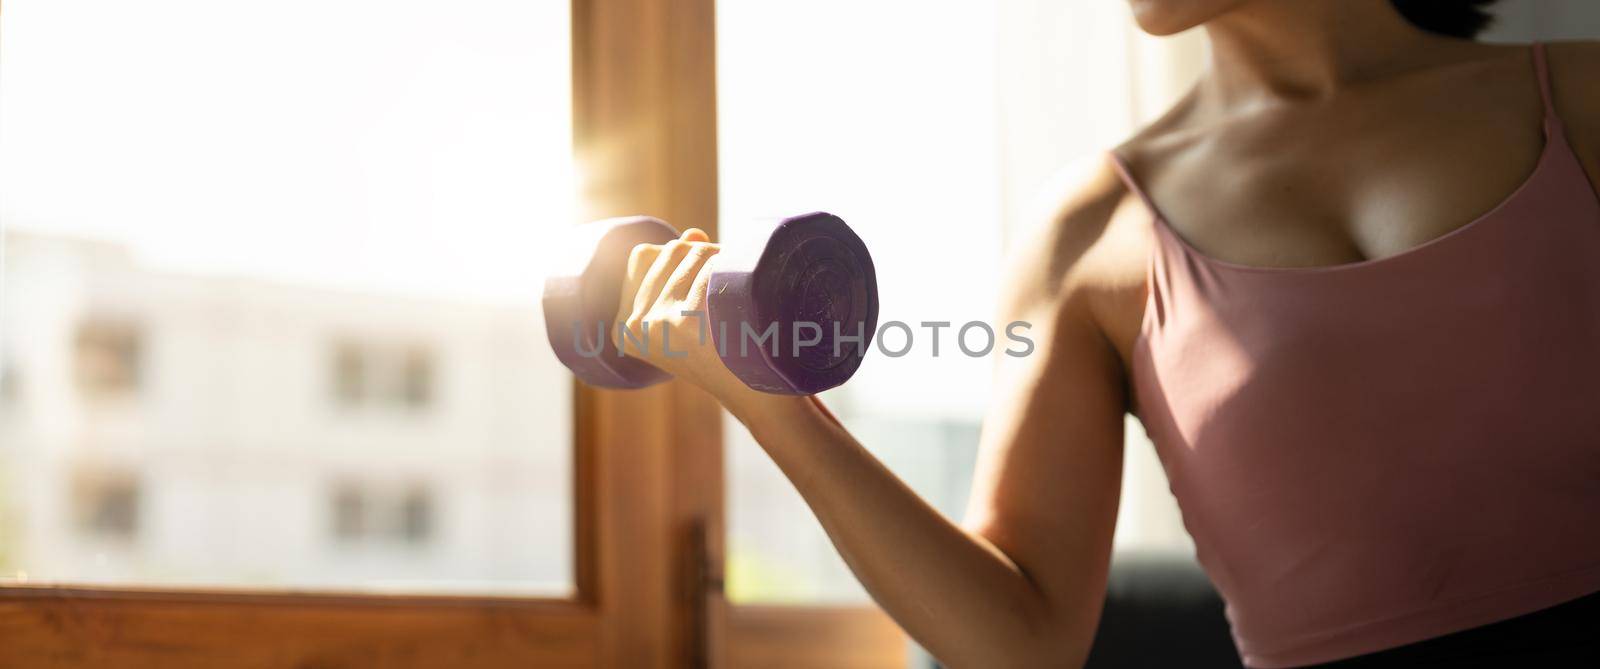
1497,316
1344,184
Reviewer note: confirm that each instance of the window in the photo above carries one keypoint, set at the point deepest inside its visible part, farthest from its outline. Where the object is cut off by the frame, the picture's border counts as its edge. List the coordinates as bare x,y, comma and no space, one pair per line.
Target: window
376,514
349,374
919,413
10,383
106,360
417,379
349,513
106,505
270,182
289,231
954,129
416,516
373,374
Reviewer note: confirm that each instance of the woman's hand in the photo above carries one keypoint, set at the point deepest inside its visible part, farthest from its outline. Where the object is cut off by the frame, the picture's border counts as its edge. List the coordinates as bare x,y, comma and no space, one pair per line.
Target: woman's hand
662,308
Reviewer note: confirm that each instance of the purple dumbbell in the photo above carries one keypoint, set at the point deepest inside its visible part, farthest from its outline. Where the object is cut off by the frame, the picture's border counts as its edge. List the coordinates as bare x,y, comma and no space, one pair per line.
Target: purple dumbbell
793,317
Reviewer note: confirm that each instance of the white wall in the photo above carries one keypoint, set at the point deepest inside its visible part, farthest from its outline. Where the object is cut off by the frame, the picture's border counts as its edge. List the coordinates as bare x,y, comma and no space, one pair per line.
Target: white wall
1524,20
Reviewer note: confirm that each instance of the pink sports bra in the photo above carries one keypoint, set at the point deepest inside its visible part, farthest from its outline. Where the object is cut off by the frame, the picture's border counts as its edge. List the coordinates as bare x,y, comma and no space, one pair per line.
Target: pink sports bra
1380,452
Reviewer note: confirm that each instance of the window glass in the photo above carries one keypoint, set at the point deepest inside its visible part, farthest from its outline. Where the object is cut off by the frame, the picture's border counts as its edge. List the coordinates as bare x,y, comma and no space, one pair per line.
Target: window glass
929,127
106,360
106,505
900,143
271,278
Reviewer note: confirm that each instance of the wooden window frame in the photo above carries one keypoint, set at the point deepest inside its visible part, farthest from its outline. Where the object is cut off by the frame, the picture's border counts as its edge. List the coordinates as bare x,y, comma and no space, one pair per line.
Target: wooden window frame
647,468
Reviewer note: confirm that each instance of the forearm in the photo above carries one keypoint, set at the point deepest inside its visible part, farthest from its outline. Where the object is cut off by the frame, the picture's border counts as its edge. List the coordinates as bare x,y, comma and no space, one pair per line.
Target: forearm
951,590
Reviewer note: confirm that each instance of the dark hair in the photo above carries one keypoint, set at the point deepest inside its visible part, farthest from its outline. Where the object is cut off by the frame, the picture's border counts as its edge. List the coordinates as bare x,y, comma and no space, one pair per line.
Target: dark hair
1455,18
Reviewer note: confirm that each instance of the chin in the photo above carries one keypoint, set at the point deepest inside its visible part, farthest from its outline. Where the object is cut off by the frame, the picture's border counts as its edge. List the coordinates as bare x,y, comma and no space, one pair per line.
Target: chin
1170,17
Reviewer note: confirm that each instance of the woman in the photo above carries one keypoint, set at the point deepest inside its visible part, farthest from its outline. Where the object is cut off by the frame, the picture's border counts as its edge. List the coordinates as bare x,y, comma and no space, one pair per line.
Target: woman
1350,283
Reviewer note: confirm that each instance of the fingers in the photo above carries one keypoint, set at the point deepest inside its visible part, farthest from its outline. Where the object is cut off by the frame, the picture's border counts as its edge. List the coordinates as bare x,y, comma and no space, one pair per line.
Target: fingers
661,271
639,262
672,253
682,279
678,263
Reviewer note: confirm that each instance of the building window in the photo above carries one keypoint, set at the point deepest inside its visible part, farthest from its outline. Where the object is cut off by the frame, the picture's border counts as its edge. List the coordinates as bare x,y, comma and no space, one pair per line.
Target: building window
417,379
368,374
106,505
378,514
349,374
349,513
416,516
106,362
10,385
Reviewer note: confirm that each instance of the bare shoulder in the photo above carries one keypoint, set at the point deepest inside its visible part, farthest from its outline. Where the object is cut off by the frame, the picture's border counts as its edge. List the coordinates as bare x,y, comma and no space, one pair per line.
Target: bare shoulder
1080,251
1065,235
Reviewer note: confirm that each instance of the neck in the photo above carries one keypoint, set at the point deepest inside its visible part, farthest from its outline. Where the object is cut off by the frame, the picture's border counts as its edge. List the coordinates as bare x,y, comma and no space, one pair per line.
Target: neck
1305,49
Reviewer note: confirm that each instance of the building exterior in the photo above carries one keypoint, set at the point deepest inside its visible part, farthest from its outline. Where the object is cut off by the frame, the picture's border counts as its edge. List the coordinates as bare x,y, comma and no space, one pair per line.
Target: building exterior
158,427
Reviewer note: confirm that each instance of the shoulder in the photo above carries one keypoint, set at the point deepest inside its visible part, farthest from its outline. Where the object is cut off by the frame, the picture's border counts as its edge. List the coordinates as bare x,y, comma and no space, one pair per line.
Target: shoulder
1062,229
1079,249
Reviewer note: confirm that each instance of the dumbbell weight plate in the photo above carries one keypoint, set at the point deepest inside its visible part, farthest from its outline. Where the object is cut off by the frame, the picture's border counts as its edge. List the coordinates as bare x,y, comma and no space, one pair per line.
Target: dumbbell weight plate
813,269
581,293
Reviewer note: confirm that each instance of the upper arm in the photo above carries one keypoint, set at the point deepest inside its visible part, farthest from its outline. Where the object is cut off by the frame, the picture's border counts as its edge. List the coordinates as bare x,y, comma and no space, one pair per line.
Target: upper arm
1050,459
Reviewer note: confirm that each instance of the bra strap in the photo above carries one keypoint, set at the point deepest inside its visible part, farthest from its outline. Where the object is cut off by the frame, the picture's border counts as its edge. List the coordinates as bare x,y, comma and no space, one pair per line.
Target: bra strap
1542,69
1154,267
1133,184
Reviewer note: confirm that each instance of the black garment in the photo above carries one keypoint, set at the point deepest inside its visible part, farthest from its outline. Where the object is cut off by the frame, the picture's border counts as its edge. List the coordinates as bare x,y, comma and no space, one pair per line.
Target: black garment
1565,635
